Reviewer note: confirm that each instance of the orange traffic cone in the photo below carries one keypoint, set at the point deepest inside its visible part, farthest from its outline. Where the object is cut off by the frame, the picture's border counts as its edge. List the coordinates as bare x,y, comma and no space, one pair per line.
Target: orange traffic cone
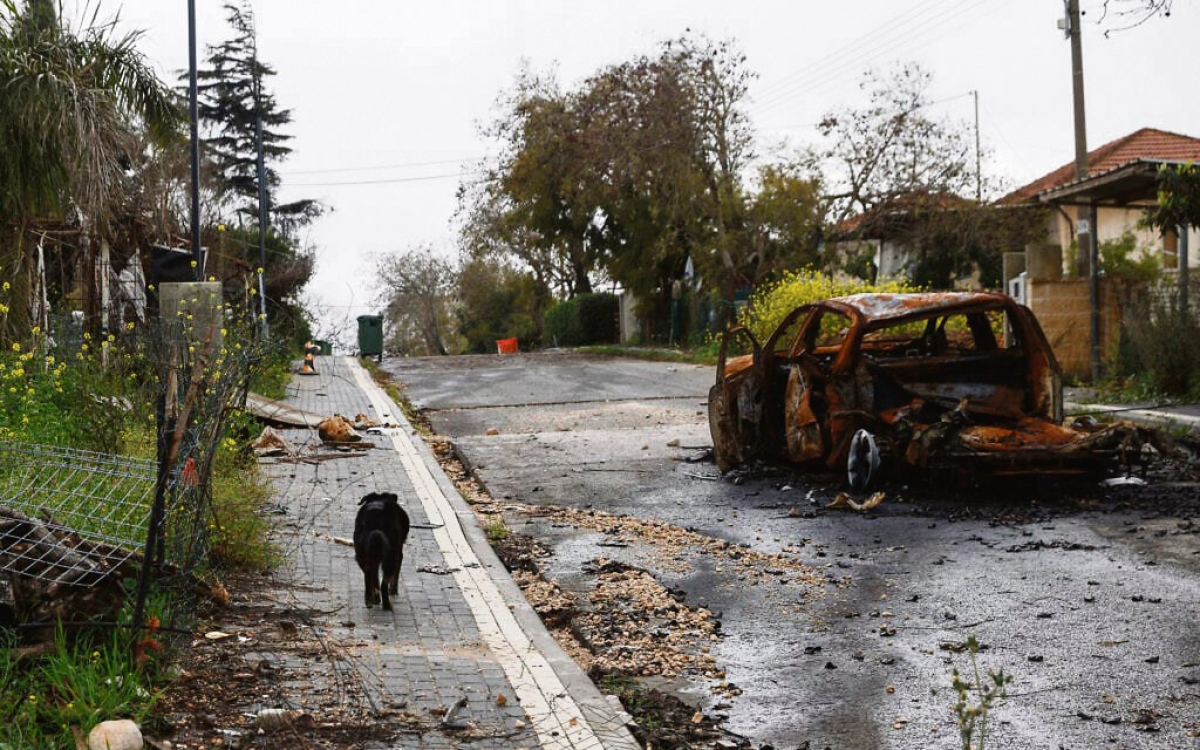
309,367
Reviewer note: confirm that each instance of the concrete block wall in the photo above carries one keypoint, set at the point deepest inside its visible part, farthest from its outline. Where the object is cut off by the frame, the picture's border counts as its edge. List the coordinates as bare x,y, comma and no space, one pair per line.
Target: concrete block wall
1063,307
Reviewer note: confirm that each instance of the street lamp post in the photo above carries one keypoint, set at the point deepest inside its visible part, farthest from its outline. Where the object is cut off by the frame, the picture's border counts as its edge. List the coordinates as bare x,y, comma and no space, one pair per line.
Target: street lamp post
193,115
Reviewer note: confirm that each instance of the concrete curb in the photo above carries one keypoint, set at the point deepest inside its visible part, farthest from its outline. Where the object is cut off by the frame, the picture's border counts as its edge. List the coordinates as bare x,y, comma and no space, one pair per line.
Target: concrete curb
607,726
1149,417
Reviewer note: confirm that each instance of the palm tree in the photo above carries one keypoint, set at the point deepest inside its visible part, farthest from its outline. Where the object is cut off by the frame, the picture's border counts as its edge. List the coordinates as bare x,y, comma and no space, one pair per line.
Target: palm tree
74,103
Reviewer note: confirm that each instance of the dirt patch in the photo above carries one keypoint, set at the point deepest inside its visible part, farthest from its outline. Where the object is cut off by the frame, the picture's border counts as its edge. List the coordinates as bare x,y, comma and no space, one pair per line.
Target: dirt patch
670,542
661,720
635,626
257,655
629,626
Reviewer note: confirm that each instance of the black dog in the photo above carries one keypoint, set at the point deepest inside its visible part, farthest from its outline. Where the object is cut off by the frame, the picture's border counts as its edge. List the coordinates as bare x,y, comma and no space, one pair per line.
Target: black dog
380,530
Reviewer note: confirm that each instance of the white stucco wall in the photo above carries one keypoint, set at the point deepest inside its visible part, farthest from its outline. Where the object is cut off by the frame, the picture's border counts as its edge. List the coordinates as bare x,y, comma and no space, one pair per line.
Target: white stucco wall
1114,222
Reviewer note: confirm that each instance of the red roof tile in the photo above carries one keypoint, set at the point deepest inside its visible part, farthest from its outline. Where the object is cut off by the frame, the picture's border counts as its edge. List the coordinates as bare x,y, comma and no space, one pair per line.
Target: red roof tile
902,206
1147,143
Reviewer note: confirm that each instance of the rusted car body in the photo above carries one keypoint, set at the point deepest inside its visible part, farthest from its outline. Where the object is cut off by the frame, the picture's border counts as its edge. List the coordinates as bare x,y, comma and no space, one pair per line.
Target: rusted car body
961,381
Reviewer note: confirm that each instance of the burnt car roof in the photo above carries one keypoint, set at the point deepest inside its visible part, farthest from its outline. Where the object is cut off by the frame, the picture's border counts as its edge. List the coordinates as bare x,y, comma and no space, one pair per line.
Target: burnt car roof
876,307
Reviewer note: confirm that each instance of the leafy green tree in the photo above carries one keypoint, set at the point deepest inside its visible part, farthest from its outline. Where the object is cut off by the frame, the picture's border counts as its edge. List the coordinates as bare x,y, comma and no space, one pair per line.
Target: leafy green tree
417,287
625,177
496,301
1177,209
1178,202
648,209
231,96
717,79
783,222
535,204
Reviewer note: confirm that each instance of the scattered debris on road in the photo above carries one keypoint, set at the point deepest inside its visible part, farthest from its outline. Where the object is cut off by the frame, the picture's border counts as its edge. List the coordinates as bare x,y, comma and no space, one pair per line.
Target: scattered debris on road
337,429
843,500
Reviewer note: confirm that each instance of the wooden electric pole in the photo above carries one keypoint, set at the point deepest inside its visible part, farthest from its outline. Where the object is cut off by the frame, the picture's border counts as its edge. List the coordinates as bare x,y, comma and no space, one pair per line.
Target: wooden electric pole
1083,227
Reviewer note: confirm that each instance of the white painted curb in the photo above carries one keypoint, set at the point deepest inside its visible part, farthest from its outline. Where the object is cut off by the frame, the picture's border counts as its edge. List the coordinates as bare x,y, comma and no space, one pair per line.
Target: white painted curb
556,717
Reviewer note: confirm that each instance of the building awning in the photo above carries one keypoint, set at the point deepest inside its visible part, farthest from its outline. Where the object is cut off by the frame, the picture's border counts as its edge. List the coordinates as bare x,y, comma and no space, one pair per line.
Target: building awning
1132,183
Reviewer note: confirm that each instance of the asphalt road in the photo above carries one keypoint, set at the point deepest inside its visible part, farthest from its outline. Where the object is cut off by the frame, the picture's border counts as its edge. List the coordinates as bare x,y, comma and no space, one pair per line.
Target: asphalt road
1087,597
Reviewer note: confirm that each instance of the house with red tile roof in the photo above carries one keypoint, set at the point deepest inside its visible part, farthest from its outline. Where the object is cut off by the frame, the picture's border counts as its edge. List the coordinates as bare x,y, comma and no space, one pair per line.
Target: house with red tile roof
1121,182
940,240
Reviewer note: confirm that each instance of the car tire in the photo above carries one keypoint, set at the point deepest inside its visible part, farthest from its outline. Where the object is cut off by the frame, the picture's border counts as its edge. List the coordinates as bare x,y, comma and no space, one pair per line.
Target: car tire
862,465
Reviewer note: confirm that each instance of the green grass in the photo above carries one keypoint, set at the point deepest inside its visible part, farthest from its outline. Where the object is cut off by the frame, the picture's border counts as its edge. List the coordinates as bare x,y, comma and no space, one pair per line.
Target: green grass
396,393
495,529
239,531
270,379
701,355
87,678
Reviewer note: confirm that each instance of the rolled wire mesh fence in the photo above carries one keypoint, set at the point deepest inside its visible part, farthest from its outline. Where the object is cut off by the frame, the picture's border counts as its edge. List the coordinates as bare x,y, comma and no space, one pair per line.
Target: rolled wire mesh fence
69,516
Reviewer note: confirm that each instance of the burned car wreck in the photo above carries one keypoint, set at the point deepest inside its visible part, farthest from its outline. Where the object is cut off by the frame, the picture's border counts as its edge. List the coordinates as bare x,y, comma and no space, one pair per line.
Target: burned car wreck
924,383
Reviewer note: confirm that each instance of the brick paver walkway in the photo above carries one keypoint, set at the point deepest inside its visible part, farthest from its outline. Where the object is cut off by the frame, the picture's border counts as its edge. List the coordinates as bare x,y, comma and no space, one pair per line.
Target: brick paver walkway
452,633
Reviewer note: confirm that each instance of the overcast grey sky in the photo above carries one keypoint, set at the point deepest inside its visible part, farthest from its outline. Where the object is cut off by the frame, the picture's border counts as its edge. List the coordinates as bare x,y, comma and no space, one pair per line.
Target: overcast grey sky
378,84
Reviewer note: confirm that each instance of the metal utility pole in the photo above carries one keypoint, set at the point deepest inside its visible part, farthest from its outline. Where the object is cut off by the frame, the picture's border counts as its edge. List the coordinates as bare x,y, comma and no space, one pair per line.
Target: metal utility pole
1182,255
978,168
193,114
262,191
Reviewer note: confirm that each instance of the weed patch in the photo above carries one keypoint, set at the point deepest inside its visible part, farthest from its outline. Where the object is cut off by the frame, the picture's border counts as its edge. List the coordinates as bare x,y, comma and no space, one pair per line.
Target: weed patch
85,679
1159,356
977,697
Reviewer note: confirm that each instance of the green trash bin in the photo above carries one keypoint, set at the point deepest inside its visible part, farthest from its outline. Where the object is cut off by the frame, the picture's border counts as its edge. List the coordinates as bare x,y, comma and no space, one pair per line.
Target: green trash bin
370,336
325,347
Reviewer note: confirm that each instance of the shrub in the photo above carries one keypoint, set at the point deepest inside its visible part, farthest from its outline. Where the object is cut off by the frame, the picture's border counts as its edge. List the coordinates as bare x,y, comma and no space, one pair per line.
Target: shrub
69,399
771,302
598,318
1115,260
496,302
562,324
1158,346
583,320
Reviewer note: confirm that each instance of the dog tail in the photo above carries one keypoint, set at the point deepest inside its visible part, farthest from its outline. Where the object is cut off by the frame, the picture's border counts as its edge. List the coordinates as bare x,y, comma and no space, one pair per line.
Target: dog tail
378,547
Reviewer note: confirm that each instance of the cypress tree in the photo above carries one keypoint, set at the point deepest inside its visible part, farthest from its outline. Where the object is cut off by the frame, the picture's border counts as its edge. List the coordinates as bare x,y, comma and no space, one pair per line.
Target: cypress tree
231,93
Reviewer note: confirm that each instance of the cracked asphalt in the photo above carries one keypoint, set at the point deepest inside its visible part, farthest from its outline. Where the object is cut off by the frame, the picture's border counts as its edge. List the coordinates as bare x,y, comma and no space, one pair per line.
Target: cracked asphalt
1087,597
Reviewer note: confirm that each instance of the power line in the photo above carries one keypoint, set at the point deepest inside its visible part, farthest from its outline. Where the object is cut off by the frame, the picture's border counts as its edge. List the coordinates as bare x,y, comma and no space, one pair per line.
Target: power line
892,26
404,165
893,113
386,182
821,79
854,53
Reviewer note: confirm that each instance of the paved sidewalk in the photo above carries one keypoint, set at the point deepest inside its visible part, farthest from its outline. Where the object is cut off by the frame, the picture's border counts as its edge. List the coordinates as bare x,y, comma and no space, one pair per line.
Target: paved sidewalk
1187,416
460,627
